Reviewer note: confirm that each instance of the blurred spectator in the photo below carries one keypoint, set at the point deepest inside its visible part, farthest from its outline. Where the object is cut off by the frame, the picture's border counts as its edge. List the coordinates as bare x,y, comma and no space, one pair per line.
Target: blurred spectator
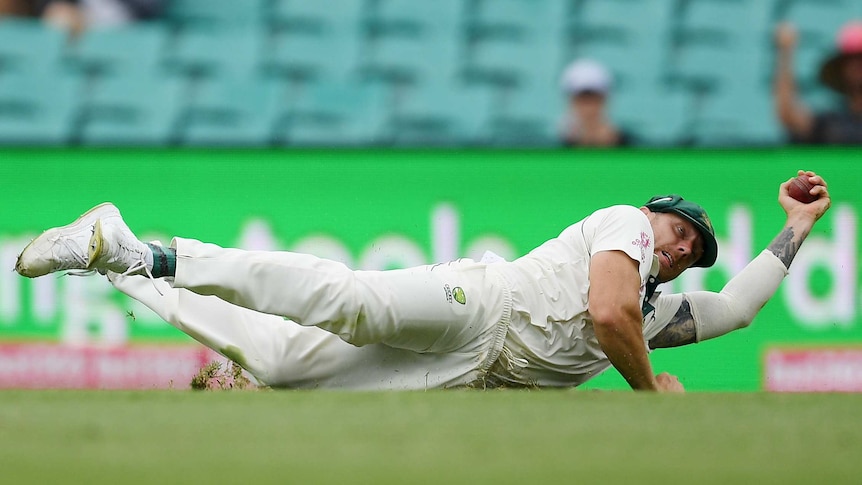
17,8
587,85
76,15
841,72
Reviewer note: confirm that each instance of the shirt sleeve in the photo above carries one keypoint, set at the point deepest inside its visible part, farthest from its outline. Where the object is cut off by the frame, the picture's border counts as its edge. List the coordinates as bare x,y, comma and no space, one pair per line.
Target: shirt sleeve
621,228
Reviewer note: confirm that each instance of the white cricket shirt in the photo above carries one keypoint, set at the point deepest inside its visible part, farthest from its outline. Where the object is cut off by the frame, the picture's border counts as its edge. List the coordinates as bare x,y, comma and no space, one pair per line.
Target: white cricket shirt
551,341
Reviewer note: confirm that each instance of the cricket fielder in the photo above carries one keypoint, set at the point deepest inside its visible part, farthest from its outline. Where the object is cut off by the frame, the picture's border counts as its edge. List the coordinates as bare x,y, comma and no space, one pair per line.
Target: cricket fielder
556,317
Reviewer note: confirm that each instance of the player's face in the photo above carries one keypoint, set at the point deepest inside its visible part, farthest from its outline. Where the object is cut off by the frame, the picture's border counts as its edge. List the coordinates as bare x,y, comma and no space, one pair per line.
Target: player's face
678,244
589,106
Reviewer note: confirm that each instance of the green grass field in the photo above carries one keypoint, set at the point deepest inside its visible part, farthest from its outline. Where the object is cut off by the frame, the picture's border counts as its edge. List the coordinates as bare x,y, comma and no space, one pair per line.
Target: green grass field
440,437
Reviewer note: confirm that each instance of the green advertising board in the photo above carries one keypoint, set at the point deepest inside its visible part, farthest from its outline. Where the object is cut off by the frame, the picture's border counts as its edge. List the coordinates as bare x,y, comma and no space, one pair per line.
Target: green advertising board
379,209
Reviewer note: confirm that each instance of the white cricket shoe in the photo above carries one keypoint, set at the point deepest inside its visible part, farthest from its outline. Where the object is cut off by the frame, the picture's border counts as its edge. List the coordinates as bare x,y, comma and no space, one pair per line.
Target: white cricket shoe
99,240
63,248
114,247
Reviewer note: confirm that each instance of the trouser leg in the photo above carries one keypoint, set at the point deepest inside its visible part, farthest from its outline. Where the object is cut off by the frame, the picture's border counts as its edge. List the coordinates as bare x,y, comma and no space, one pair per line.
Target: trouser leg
281,353
441,308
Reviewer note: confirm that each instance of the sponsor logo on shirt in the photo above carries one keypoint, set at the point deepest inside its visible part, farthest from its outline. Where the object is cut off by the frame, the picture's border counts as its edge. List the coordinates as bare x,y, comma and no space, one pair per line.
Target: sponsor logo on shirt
643,242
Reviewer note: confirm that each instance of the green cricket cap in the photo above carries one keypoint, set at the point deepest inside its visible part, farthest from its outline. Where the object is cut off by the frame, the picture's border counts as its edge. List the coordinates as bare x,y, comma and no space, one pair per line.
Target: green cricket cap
694,214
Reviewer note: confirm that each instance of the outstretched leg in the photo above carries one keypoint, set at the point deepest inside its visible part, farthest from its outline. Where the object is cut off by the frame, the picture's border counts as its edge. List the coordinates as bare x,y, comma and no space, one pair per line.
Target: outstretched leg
447,321
281,353
442,308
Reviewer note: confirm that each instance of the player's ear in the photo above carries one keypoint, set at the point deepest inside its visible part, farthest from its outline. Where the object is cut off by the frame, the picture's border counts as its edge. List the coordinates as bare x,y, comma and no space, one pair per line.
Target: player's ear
645,210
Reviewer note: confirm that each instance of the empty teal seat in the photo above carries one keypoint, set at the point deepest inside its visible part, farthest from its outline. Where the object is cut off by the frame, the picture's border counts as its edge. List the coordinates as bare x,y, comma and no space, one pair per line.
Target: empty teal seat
409,16
651,113
131,108
312,15
38,107
710,66
517,18
132,48
336,113
533,60
635,19
215,12
528,115
717,18
631,37
29,45
331,51
430,53
215,51
411,40
736,116
232,109
442,112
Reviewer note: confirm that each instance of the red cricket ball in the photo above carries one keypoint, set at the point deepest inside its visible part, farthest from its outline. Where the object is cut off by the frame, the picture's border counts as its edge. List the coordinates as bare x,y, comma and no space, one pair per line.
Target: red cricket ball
800,189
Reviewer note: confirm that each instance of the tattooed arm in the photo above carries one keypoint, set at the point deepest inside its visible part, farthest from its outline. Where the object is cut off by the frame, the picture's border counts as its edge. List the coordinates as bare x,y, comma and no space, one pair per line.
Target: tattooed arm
703,315
679,331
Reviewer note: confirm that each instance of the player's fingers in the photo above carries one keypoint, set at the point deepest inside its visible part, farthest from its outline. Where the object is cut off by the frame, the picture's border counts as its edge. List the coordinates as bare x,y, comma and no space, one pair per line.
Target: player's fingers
820,191
817,180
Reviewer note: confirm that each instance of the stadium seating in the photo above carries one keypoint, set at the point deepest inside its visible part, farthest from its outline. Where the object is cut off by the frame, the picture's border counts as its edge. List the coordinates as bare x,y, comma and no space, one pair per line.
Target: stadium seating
652,113
128,99
406,17
335,112
29,45
440,111
216,13
236,108
517,42
429,53
315,39
350,72
527,115
38,107
333,50
212,52
714,20
127,109
314,16
735,116
515,18
409,41
634,19
38,97
111,51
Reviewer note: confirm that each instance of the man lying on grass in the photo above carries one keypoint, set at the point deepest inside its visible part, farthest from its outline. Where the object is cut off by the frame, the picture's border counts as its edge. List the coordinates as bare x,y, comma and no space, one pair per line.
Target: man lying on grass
556,317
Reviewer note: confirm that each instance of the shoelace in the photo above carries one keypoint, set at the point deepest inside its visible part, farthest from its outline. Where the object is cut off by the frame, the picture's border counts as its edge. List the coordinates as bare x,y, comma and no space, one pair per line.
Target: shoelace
140,264
73,250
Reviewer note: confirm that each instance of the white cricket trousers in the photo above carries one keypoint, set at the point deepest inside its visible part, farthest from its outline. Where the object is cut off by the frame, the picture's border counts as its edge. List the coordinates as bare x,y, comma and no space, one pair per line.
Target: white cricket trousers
295,320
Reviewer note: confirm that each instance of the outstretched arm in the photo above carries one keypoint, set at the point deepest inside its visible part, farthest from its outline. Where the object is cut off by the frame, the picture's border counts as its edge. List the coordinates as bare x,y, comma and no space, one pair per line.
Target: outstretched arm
704,315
